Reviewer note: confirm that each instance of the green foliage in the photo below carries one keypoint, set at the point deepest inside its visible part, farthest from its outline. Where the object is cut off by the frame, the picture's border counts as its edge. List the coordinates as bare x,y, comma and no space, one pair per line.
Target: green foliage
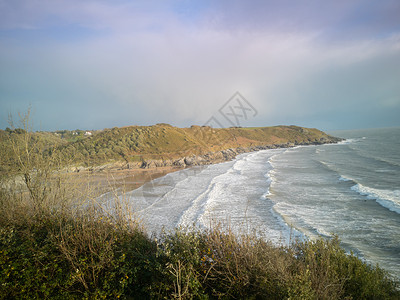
30,265
97,261
86,258
331,273
182,252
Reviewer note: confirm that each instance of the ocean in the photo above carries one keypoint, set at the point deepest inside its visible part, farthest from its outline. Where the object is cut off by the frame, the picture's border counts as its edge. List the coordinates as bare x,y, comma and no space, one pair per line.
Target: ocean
350,189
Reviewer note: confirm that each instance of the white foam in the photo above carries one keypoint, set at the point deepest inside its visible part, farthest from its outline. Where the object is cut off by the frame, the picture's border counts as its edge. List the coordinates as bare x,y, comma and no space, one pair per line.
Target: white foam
323,233
347,141
389,199
191,215
266,194
217,199
239,165
344,178
290,232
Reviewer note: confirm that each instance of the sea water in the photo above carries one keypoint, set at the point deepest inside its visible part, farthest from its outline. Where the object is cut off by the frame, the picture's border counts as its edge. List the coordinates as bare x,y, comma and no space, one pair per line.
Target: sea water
351,189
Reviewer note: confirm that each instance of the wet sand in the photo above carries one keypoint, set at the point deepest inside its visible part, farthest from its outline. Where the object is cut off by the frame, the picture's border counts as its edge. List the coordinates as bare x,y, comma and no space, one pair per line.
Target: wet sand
121,180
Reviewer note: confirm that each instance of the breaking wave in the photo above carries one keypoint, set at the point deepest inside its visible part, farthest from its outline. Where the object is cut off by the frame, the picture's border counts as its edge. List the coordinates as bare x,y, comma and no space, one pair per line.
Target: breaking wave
389,199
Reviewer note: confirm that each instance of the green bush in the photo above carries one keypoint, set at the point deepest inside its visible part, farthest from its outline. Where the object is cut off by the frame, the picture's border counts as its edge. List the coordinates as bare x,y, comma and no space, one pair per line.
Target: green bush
332,273
31,266
75,259
85,257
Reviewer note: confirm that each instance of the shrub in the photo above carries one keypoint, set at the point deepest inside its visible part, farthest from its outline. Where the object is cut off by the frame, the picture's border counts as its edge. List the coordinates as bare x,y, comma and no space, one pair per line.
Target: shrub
333,274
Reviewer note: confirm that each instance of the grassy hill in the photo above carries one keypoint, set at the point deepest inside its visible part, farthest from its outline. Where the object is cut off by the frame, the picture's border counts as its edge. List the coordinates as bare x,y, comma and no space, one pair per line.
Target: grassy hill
161,142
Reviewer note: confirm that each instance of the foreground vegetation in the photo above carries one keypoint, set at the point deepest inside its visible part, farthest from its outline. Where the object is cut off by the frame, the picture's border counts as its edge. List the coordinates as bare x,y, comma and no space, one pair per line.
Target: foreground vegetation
88,256
57,241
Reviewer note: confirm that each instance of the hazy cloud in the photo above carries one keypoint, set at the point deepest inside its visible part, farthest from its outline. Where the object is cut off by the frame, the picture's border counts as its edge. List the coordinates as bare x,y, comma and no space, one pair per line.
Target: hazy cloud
96,64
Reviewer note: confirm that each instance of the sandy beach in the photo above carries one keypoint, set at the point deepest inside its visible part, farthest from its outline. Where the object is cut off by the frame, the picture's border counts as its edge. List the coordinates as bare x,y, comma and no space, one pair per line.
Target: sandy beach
121,180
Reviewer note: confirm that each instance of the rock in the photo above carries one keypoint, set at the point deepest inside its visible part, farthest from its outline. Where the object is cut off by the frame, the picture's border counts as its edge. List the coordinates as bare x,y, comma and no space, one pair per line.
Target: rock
134,165
179,162
194,160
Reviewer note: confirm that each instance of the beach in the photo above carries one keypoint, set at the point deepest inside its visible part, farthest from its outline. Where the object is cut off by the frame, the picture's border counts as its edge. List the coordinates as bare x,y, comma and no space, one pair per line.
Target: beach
120,180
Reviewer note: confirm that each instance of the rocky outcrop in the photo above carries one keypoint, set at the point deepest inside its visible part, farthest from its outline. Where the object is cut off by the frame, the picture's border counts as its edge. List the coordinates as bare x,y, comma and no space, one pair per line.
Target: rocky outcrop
226,155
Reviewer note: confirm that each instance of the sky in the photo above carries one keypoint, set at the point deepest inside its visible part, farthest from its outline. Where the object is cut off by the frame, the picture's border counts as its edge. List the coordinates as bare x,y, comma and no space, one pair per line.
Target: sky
93,64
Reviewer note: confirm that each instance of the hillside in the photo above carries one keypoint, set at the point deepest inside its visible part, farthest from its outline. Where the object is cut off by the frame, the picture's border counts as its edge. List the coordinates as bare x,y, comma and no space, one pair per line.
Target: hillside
163,144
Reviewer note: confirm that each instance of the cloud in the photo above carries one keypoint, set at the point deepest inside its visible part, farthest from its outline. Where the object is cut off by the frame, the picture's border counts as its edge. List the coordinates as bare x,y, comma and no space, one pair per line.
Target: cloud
144,64
97,15
342,19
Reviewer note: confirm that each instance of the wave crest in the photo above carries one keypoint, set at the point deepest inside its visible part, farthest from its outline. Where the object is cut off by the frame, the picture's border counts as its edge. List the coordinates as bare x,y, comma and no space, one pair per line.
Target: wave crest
389,199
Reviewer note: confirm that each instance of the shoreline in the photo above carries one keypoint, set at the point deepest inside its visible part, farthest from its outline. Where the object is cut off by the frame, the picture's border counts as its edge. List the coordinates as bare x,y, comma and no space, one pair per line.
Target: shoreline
130,176
121,180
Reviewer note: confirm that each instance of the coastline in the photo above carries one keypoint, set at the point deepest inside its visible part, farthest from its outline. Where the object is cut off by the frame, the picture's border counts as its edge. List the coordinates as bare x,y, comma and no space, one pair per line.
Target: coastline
126,177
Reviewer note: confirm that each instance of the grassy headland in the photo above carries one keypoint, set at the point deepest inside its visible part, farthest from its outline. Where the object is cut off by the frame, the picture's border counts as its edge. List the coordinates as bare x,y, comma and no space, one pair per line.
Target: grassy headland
161,145
57,242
